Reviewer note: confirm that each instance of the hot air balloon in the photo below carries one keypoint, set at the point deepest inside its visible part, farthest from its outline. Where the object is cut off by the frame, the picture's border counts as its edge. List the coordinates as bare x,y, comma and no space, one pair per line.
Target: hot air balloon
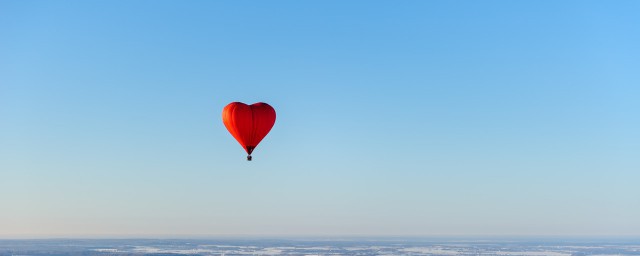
248,124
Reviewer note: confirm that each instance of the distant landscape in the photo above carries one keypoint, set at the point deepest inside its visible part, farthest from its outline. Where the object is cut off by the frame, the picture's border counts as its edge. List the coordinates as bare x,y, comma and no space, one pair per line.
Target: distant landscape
316,246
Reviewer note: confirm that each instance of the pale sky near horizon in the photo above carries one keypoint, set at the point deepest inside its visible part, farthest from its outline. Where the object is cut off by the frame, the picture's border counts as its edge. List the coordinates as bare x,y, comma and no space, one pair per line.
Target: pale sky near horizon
394,118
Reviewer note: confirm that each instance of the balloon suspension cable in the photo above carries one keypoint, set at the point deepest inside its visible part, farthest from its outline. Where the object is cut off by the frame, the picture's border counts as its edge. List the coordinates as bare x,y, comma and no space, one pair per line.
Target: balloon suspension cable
249,158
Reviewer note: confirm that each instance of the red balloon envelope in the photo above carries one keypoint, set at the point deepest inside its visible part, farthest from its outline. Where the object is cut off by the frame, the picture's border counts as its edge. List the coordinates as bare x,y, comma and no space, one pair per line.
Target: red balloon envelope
249,124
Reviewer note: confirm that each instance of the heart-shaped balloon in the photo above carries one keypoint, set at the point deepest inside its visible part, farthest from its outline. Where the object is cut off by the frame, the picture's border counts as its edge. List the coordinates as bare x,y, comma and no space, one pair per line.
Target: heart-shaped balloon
249,124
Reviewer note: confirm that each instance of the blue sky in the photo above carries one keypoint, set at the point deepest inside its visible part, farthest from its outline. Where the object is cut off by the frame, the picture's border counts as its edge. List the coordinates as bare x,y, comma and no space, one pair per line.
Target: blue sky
394,118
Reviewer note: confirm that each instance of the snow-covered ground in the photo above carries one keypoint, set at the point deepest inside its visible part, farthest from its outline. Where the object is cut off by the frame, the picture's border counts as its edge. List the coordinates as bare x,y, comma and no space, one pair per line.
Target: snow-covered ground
270,247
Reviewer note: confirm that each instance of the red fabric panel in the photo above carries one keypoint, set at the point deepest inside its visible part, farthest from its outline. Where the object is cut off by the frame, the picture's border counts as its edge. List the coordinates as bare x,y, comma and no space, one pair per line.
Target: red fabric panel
248,124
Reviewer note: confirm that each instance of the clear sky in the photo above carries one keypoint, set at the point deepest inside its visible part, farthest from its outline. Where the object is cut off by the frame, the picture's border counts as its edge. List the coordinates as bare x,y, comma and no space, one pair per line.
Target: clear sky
394,118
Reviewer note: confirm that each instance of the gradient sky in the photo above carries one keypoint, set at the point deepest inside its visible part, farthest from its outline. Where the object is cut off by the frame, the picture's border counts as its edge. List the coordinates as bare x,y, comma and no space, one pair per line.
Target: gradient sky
394,118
